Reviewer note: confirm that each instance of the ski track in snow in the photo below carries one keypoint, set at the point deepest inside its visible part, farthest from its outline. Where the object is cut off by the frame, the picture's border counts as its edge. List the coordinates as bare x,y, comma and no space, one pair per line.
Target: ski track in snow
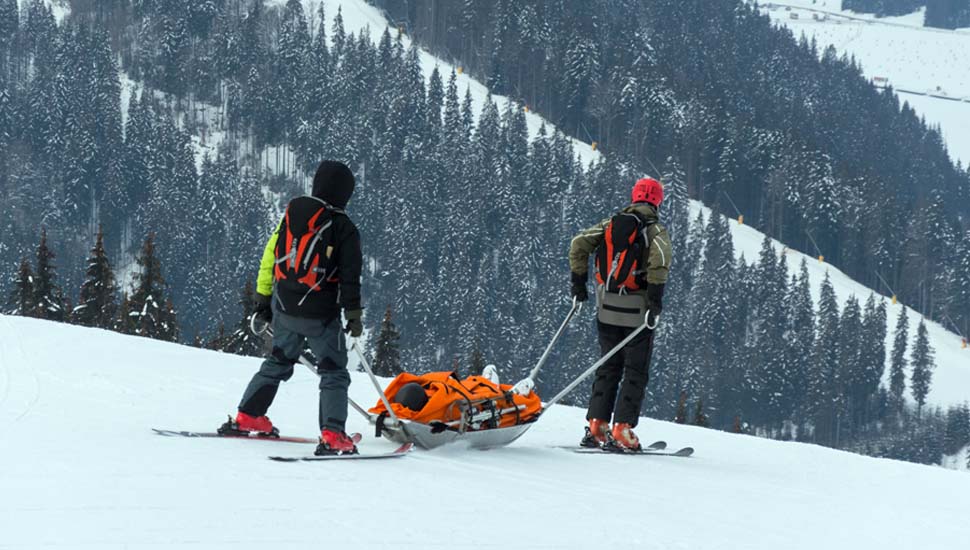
4,361
15,365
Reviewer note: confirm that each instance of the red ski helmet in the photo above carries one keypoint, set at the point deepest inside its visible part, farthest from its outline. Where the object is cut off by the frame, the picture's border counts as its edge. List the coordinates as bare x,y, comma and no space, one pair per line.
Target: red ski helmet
648,190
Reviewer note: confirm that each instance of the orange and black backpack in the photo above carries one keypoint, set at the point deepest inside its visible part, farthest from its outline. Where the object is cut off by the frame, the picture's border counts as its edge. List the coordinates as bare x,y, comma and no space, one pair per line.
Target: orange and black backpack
618,256
305,260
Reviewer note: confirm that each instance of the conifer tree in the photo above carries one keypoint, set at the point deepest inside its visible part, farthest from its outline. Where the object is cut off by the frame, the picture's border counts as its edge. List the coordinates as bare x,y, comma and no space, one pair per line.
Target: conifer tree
873,357
476,361
826,376
799,342
700,418
387,354
897,365
48,298
21,300
123,322
218,342
767,320
98,306
923,365
168,327
150,313
852,374
242,341
715,321
681,416
957,433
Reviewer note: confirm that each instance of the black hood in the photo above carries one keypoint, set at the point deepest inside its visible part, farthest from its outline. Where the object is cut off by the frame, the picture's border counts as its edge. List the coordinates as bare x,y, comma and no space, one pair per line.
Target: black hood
334,183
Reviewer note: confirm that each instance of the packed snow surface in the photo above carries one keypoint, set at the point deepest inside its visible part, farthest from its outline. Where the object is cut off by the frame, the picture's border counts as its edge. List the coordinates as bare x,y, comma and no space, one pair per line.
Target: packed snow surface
928,67
81,469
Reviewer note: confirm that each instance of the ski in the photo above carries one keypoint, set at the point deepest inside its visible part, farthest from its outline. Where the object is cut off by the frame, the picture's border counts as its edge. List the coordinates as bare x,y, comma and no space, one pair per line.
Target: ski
400,451
682,453
253,435
655,446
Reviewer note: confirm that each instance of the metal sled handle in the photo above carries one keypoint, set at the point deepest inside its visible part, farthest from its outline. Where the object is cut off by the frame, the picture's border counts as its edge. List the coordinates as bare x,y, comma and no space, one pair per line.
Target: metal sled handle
258,331
646,325
577,307
377,385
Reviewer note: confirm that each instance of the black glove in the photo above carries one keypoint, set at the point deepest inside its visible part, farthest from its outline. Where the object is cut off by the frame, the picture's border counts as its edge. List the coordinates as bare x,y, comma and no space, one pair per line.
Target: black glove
579,287
655,299
262,308
354,324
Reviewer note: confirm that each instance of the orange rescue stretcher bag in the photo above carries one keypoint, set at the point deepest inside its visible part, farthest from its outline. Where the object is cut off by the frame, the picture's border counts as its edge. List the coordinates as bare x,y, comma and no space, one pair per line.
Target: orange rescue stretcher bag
475,403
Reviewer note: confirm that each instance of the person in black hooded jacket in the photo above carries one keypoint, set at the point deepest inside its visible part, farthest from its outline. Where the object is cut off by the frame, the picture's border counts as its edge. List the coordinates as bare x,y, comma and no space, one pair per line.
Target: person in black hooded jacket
309,273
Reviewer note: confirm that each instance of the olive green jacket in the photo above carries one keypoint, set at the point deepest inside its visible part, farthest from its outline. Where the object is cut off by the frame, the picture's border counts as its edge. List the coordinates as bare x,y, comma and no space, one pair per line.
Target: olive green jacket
656,258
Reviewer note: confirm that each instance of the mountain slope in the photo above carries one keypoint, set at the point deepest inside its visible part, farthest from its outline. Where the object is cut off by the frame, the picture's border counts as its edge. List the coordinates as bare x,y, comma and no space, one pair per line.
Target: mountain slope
951,383
82,470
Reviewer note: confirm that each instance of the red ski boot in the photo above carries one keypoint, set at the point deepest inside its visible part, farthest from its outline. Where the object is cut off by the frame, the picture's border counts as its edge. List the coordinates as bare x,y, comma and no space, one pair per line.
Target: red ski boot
624,439
333,442
597,434
245,424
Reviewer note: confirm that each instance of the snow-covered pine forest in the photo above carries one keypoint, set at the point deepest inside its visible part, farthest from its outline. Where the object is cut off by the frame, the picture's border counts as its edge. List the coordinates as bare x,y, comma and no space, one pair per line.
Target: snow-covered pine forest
465,217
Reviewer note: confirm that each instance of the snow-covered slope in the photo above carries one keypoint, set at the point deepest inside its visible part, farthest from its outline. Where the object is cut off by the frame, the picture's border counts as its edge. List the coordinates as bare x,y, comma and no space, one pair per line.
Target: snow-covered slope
929,68
951,379
80,469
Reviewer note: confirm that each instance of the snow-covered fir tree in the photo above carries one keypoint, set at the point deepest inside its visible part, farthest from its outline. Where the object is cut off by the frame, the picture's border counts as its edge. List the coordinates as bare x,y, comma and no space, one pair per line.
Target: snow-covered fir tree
957,435
48,297
242,341
387,352
149,312
923,363
98,300
825,377
898,363
21,300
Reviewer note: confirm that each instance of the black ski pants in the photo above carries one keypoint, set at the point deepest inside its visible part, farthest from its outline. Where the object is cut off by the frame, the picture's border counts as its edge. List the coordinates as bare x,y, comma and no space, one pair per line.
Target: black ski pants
627,372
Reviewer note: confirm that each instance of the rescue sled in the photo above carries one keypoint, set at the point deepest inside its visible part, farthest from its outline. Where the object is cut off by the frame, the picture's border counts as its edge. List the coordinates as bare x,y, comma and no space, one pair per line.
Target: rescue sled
480,418
480,412
475,410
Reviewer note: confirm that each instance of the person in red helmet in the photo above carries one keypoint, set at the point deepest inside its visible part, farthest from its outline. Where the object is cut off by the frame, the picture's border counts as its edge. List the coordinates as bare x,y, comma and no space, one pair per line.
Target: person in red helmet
633,257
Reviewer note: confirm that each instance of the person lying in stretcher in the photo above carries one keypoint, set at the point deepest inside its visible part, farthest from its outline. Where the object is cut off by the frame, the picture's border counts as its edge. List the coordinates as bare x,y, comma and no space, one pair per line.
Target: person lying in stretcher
474,403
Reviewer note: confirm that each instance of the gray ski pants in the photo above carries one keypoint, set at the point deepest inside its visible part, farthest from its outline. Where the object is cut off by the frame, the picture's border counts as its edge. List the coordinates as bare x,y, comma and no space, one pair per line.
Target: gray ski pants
326,341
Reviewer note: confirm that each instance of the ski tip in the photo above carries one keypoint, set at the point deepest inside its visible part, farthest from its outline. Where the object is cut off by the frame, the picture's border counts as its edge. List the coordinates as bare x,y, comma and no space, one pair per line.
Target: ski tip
685,452
169,433
284,458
